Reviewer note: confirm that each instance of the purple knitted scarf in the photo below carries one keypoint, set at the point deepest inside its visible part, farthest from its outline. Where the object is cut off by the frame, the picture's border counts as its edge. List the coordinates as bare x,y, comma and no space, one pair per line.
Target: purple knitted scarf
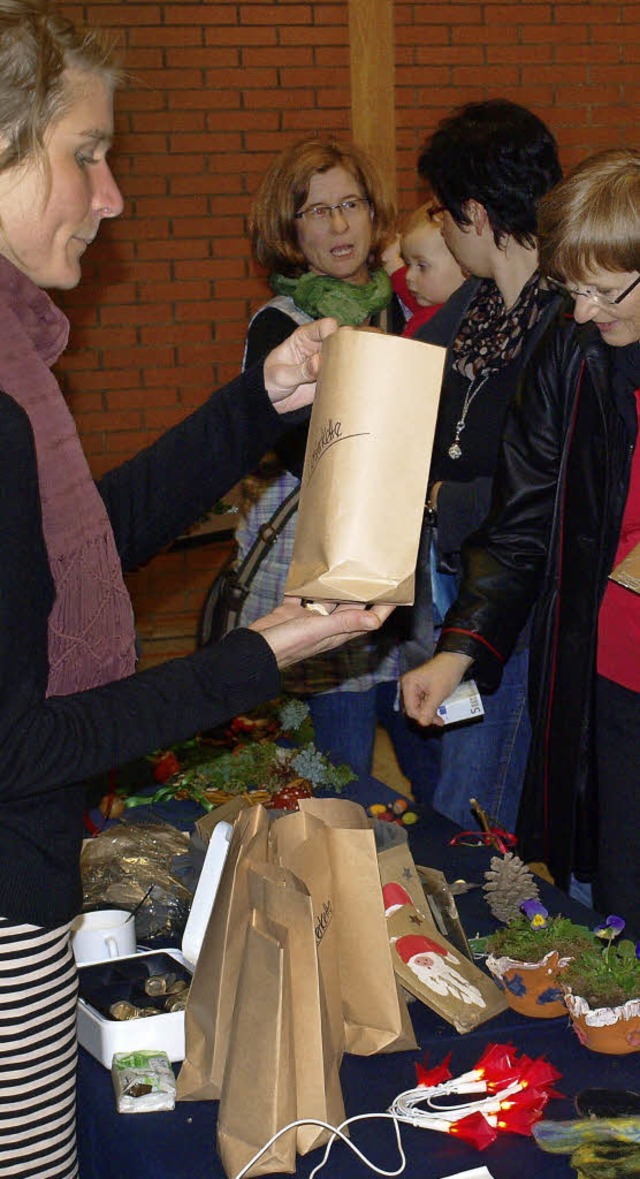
91,626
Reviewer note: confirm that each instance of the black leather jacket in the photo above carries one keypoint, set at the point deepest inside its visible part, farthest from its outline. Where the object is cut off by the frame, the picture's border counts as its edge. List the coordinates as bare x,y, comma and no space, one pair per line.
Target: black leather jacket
549,544
462,506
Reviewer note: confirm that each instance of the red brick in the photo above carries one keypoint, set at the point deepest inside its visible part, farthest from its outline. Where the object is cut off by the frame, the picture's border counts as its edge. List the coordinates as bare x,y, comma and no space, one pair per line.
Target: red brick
240,35
106,15
589,14
241,78
199,14
271,14
187,35
524,14
331,35
216,100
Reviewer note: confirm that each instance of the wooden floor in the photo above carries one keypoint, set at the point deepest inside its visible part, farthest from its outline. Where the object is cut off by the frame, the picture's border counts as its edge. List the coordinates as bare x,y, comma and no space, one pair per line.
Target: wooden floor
385,766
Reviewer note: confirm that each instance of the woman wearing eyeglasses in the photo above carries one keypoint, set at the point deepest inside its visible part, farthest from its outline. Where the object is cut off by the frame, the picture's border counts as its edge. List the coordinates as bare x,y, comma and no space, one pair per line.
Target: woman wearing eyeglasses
566,513
320,221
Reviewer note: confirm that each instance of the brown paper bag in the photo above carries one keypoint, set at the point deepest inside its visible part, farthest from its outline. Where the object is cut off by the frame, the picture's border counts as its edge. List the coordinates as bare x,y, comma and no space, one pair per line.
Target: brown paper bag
299,843
283,900
365,473
212,993
627,573
425,962
443,908
401,884
259,1090
375,1014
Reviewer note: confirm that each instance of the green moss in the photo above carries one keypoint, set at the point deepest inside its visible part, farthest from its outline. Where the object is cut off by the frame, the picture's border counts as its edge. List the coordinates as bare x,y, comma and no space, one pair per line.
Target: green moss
520,941
605,976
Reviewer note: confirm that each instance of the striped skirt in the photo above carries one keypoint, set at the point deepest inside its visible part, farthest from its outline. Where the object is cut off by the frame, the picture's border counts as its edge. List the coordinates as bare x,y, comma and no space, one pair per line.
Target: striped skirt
38,994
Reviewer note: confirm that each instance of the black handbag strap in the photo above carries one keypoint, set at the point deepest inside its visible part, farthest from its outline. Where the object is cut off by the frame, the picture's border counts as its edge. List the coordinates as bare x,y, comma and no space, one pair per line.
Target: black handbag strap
240,579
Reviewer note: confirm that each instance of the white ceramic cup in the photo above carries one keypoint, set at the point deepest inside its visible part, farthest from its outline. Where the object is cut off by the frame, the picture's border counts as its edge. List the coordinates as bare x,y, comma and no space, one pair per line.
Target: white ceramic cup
103,934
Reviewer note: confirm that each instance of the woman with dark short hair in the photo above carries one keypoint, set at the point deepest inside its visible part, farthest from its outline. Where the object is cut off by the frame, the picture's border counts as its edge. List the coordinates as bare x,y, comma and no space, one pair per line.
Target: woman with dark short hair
566,512
488,164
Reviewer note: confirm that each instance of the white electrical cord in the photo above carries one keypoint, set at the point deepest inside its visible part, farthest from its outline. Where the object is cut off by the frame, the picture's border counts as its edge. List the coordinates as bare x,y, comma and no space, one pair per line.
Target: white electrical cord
404,1109
336,1132
405,1106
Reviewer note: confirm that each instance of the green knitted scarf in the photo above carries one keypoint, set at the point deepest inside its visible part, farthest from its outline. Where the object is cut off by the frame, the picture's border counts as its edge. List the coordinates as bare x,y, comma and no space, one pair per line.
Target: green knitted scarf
319,295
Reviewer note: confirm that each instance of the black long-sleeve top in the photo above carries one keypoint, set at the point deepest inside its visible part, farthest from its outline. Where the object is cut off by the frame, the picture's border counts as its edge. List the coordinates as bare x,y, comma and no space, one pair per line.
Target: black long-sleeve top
49,744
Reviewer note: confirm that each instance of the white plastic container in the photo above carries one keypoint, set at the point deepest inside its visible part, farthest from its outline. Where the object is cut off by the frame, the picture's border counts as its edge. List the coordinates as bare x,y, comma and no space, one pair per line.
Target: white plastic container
102,1036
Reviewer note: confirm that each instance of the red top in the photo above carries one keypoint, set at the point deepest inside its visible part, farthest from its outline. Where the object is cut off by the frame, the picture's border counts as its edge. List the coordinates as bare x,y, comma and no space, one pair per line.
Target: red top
419,314
619,620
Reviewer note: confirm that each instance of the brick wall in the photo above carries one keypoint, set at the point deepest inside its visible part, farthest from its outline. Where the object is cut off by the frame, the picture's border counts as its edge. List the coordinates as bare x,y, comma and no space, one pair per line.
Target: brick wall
216,90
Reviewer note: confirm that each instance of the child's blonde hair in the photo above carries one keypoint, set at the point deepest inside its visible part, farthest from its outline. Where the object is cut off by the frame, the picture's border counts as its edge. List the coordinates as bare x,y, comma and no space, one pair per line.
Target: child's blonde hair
424,215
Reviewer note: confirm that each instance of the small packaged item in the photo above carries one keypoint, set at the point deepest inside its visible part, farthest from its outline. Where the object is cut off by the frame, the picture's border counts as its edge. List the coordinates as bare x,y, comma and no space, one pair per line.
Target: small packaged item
464,704
143,1082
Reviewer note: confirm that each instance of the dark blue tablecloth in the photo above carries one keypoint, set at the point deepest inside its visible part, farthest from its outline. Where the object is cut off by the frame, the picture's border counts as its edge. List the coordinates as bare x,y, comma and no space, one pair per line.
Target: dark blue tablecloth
182,1144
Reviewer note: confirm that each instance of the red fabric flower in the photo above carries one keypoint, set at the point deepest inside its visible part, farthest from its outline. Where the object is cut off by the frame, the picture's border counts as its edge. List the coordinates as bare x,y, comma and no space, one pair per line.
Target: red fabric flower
475,1130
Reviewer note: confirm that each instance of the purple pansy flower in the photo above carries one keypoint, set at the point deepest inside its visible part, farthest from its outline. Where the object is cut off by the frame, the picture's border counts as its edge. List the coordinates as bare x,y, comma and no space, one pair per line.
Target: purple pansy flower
536,913
610,928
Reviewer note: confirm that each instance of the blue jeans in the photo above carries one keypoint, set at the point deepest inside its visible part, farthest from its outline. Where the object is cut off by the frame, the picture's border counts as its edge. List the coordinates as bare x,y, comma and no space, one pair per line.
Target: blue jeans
417,750
345,729
486,759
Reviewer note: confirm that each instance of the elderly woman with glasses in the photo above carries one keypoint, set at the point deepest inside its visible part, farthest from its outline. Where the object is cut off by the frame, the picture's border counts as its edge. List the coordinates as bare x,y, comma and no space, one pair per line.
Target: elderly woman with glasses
566,513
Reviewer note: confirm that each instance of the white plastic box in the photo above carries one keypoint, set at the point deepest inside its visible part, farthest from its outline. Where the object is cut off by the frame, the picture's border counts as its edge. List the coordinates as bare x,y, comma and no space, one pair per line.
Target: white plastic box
102,983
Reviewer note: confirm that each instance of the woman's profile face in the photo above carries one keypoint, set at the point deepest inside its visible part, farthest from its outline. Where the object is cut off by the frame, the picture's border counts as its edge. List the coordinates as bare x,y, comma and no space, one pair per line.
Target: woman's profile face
618,324
46,226
337,244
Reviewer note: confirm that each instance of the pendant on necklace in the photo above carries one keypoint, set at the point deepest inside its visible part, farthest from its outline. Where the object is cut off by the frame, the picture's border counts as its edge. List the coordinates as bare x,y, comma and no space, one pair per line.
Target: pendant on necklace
454,451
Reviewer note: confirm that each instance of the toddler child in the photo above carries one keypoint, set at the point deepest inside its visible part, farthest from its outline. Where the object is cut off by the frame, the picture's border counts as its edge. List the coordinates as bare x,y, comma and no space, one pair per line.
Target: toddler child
423,271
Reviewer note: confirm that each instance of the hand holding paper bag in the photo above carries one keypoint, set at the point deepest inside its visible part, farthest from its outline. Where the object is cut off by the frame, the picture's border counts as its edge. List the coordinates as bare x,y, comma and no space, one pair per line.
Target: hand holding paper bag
366,467
293,633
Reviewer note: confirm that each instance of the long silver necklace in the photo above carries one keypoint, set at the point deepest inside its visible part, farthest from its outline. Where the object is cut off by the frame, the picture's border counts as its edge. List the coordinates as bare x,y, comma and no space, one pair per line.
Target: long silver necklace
455,450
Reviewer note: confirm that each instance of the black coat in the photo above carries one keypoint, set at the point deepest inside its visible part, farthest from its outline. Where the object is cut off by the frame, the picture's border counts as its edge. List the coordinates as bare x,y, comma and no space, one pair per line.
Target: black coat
549,544
462,505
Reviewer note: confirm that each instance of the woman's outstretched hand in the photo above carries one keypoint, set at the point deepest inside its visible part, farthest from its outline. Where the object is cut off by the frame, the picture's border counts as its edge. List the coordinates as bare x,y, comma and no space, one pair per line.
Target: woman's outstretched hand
294,632
424,688
290,370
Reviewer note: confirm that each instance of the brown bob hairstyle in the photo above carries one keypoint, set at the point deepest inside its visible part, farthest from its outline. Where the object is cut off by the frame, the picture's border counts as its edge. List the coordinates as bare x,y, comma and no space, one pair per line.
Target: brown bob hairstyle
591,220
285,188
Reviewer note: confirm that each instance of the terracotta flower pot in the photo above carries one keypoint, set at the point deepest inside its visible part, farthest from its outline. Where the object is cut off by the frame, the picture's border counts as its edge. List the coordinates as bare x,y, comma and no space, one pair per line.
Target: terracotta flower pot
531,988
615,1030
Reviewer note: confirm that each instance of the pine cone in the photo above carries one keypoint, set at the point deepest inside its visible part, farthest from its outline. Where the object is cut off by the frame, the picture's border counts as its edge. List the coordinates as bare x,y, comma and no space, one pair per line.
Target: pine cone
508,883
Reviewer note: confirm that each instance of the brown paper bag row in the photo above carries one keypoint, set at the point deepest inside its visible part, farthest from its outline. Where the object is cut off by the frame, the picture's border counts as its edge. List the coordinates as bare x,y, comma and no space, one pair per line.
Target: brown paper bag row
294,968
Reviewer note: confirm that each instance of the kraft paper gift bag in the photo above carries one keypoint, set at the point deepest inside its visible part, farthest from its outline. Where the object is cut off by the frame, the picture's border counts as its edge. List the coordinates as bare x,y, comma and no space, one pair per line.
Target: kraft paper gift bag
259,1087
283,900
374,1012
401,884
212,993
299,842
627,573
367,460
433,970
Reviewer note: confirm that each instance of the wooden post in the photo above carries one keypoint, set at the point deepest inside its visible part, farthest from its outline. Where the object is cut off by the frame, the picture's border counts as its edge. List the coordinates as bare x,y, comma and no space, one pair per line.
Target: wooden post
372,52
